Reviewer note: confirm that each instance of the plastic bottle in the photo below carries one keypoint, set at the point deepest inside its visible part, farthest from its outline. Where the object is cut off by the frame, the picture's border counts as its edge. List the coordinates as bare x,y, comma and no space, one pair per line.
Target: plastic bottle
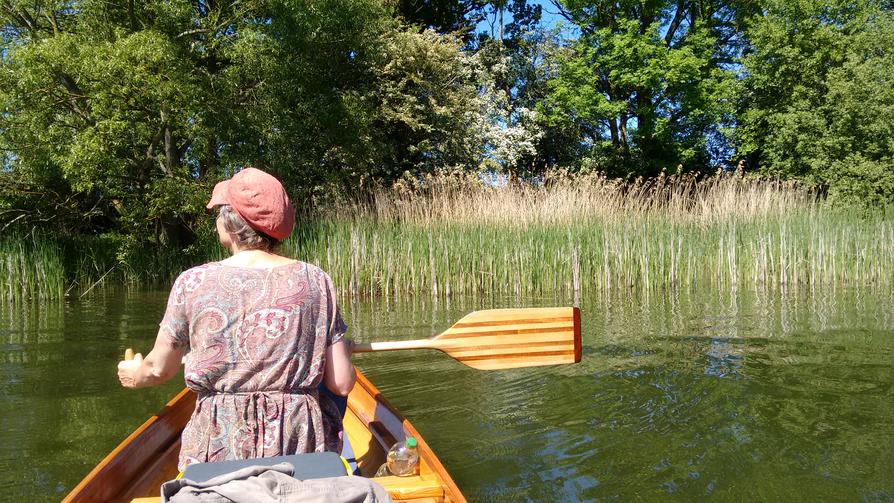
402,459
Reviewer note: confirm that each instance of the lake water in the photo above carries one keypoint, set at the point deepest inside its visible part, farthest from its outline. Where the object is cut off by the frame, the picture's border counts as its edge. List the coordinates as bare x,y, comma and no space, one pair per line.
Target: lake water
686,395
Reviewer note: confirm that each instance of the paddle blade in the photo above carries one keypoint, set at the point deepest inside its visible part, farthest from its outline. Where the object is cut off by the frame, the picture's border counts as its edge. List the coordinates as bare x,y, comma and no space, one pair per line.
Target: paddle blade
509,338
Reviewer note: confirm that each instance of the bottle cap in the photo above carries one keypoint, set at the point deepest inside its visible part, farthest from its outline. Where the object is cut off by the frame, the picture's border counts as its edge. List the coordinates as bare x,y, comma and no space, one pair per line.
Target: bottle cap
411,442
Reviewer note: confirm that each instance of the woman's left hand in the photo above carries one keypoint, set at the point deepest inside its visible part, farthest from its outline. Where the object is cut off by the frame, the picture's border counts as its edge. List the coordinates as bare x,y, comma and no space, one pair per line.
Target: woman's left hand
127,371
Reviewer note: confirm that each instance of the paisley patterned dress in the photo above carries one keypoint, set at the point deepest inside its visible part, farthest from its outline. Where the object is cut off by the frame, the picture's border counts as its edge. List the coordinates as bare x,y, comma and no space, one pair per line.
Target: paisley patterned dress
257,341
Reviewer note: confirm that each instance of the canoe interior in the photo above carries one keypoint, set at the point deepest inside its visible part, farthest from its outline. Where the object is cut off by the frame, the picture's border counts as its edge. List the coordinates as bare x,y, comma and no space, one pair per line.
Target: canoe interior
148,457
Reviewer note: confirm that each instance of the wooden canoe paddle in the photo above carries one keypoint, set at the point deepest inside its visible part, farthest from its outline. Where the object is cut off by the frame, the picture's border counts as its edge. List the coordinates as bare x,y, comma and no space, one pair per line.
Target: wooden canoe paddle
499,339
503,338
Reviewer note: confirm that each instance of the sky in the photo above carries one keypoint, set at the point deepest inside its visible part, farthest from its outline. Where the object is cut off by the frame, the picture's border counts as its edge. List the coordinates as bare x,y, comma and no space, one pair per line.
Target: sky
550,13
549,17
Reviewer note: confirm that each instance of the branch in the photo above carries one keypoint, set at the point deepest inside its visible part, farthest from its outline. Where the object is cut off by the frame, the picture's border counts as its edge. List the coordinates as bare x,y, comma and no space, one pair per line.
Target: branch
562,11
22,16
195,31
675,23
52,20
23,215
76,94
153,144
98,281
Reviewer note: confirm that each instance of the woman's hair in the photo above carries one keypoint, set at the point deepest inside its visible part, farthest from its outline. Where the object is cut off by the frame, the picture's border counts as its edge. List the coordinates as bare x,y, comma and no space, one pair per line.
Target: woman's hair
243,235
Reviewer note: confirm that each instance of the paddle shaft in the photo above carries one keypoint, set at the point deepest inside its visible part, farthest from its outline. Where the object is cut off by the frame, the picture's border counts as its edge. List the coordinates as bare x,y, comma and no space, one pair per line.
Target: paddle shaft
371,347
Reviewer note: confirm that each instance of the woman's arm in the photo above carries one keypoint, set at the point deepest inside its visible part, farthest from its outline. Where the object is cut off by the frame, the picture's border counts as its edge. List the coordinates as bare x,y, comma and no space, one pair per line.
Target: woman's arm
161,364
338,374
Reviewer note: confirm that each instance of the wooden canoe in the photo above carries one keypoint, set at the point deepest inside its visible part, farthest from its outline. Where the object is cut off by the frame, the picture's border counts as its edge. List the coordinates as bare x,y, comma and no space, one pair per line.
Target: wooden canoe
135,469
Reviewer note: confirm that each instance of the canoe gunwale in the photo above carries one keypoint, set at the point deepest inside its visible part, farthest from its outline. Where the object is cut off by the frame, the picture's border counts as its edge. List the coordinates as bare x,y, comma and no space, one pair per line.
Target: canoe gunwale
158,435
430,465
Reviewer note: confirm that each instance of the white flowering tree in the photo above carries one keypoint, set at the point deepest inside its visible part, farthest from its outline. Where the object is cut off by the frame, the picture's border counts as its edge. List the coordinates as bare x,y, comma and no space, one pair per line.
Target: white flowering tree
509,133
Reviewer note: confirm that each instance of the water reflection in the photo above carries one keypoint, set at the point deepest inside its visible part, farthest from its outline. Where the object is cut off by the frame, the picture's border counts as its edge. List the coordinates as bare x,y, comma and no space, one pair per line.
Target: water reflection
682,394
733,395
59,404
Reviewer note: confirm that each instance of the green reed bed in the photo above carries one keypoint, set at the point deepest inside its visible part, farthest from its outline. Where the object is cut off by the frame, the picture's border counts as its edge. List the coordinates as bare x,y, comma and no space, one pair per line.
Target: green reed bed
453,234
38,266
30,267
728,232
802,249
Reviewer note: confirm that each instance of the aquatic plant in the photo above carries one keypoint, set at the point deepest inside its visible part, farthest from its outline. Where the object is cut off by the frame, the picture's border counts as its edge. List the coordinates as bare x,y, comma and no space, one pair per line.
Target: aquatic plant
472,235
449,234
30,267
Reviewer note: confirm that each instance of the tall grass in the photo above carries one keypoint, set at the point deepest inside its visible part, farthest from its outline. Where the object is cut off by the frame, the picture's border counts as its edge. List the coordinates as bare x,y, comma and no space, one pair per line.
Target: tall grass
92,260
455,235
42,266
30,267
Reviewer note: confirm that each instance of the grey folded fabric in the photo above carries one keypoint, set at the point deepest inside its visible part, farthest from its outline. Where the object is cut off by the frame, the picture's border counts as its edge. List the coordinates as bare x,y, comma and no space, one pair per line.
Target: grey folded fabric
273,484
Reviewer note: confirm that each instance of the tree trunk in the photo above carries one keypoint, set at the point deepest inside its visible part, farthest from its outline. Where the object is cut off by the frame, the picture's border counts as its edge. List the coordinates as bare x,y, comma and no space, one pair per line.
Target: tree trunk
172,156
211,160
170,152
613,129
501,25
646,124
622,127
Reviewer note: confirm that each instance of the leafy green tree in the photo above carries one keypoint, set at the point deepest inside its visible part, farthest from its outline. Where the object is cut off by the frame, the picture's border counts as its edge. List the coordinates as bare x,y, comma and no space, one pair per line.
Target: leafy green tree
424,106
515,61
817,99
442,16
647,83
119,116
95,115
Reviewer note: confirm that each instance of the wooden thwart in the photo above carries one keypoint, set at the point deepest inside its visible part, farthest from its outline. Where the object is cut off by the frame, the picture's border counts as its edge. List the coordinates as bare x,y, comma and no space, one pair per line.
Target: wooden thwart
503,338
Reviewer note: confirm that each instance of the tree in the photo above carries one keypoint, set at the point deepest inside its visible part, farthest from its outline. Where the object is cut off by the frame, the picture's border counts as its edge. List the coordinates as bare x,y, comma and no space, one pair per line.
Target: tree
647,82
424,107
507,128
120,116
817,97
442,16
